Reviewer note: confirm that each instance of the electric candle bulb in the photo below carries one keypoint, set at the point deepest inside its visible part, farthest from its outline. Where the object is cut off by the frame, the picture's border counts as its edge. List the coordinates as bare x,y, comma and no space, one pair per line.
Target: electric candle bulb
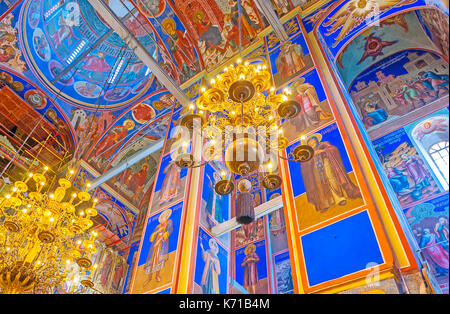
30,175
239,61
8,196
213,81
242,77
203,89
14,189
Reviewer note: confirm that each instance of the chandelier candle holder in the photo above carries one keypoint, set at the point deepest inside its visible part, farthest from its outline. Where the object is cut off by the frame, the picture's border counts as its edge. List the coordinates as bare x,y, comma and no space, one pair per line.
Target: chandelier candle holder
42,232
240,119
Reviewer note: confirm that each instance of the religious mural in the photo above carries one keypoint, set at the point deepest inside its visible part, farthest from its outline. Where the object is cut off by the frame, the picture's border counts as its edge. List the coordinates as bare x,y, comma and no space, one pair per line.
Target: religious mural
325,186
350,17
214,208
435,23
277,231
410,177
429,224
309,93
283,274
290,59
116,213
109,276
60,36
10,54
135,182
157,258
214,25
251,268
211,269
170,185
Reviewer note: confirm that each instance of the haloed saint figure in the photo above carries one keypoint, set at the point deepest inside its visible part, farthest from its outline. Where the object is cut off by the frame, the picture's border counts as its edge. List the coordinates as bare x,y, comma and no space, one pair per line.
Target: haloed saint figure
326,180
211,271
250,268
159,248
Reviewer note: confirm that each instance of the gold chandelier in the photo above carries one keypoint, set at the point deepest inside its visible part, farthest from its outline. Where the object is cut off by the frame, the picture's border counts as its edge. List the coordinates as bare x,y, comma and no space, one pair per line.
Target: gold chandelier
42,233
241,118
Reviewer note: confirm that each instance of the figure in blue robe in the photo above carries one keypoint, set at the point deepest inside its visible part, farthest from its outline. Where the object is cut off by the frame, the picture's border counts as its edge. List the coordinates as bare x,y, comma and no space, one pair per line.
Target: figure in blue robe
377,115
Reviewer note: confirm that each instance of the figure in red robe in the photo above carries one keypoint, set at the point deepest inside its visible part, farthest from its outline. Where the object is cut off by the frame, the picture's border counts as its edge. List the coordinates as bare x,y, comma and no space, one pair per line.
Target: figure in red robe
250,269
181,48
96,64
137,181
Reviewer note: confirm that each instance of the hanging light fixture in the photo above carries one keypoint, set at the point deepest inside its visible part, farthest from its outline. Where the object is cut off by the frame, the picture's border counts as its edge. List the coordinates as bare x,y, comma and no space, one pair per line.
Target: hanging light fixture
241,118
42,232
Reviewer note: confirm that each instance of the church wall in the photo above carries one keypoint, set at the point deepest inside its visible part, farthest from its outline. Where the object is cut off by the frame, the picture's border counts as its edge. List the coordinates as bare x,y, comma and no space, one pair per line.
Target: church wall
397,67
306,229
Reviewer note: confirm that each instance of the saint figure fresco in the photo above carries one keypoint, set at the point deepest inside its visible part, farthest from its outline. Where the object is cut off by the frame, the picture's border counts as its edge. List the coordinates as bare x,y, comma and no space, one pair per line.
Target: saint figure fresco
326,180
159,248
211,271
250,268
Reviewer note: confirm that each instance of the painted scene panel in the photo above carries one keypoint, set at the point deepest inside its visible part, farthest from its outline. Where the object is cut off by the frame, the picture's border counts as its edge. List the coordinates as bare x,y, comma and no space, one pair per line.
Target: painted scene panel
158,251
325,186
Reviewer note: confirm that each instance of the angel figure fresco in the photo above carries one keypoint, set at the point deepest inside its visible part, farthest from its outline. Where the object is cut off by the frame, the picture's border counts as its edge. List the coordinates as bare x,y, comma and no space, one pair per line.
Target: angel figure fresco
158,254
290,60
250,269
211,270
181,48
325,178
172,183
353,14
